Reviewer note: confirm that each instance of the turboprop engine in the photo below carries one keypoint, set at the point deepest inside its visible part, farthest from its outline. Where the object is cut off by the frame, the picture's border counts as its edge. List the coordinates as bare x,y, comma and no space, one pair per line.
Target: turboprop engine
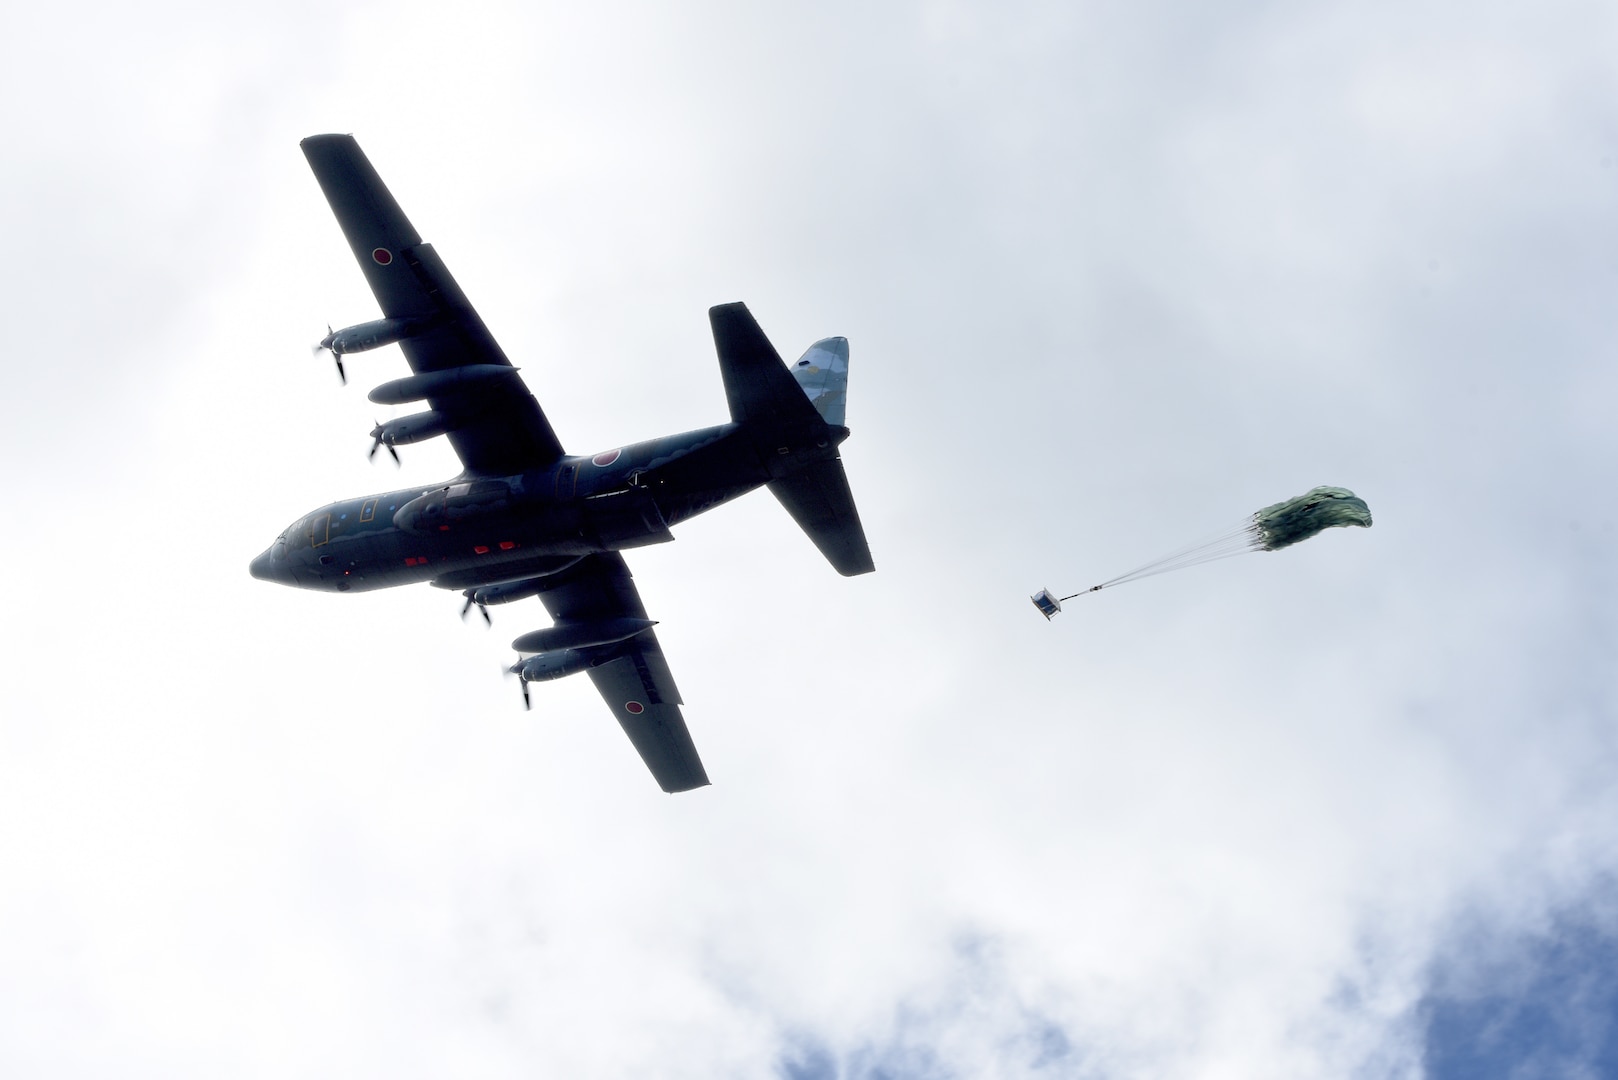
366,336
550,665
571,647
406,430
371,335
507,591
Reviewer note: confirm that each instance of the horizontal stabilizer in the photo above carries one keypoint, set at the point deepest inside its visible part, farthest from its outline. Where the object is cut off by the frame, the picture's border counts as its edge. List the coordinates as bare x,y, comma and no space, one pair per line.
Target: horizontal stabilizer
818,498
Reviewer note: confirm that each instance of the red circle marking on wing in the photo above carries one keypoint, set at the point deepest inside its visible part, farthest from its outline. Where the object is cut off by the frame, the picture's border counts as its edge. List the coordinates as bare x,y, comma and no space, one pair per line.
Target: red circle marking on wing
634,708
382,256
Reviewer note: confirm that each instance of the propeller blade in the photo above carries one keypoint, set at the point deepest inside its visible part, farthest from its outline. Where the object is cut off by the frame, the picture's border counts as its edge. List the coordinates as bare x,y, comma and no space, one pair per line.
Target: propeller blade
379,439
516,669
324,345
471,598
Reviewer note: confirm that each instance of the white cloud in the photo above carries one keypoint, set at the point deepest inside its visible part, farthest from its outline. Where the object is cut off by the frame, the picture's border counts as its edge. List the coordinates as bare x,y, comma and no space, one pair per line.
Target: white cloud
1113,278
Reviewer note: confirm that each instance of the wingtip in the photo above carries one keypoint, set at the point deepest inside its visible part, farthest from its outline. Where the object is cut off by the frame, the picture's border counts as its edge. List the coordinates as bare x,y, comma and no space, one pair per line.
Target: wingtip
314,143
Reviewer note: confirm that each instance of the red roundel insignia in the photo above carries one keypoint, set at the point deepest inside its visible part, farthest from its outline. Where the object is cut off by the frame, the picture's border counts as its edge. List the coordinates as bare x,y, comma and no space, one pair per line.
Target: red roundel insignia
605,458
382,256
634,708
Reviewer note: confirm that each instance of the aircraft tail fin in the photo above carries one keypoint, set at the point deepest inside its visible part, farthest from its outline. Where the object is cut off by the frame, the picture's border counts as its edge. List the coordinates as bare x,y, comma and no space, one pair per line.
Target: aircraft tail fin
760,391
803,407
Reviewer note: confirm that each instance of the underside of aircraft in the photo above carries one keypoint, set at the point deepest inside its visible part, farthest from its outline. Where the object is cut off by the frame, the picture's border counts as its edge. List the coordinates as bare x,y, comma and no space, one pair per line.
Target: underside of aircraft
524,518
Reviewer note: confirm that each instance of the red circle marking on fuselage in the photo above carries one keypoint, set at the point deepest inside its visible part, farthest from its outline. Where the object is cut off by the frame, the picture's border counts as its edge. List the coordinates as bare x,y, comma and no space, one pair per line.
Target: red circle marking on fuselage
605,458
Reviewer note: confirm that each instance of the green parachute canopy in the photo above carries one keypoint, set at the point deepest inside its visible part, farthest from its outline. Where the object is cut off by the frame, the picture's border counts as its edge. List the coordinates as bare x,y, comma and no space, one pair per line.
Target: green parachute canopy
1270,529
1288,522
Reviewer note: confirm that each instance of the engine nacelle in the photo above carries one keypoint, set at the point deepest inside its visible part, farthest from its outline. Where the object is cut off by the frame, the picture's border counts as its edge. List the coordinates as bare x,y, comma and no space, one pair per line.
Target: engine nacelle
552,665
371,335
411,429
582,635
507,591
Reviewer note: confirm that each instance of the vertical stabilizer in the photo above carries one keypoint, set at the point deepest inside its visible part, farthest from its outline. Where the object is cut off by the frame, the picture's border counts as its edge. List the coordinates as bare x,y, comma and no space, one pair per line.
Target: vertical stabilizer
762,395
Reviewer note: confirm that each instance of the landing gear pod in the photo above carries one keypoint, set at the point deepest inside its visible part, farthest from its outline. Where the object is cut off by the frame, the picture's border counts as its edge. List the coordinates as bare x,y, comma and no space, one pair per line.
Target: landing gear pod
1047,604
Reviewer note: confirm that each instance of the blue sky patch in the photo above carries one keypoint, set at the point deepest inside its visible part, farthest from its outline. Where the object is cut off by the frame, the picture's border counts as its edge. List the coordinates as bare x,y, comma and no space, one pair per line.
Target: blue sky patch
1539,1005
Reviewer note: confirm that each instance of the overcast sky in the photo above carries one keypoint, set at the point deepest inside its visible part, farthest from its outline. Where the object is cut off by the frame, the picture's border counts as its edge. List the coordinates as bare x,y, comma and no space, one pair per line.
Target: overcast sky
1113,275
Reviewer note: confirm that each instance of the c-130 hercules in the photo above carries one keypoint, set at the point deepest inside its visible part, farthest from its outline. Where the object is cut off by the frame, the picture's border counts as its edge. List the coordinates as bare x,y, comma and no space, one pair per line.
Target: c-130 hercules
524,518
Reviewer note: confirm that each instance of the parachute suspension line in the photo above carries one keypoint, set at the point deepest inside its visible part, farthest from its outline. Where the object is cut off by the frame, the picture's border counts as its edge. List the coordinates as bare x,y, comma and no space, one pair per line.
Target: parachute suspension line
1232,542
1270,529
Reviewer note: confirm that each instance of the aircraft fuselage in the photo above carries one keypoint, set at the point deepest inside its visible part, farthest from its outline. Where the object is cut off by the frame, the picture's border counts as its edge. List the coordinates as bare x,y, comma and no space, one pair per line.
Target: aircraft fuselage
480,530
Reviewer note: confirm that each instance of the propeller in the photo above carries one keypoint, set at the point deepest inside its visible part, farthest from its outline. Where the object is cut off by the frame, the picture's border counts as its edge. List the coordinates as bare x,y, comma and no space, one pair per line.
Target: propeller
471,598
516,669
325,346
376,433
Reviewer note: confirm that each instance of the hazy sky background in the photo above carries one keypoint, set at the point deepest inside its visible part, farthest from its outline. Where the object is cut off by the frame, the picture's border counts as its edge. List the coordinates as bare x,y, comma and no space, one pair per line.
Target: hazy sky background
1113,275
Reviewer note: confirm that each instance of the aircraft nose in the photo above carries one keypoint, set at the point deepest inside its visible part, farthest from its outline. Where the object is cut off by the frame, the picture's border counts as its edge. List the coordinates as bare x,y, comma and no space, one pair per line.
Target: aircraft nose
260,567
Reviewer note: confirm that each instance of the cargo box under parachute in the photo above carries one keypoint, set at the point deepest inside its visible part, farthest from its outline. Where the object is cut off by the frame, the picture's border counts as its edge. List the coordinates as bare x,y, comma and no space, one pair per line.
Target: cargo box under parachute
1047,604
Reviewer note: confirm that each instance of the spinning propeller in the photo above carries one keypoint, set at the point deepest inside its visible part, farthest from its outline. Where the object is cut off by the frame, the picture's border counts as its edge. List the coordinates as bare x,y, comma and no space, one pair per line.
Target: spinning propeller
516,669
325,345
472,598
379,437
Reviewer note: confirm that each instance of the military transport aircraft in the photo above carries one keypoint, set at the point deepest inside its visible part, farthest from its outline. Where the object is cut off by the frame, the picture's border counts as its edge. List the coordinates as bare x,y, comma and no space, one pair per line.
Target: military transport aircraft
525,518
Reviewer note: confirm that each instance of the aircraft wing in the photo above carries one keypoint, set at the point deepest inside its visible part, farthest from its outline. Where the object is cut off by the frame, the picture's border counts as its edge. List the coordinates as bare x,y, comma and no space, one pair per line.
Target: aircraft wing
637,686
497,427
